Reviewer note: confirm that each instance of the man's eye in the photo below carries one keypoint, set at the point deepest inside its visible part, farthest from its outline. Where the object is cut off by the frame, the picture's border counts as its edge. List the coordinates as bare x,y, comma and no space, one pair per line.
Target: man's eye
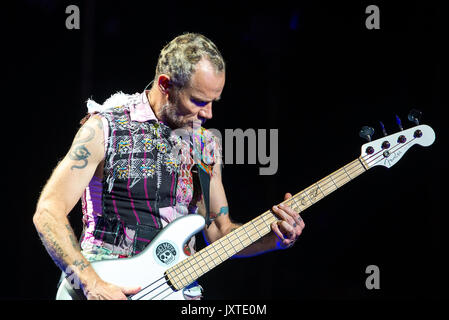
199,103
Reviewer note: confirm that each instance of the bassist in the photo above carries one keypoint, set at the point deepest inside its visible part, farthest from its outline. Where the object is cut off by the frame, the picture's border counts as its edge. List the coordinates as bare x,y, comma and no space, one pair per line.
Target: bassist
132,183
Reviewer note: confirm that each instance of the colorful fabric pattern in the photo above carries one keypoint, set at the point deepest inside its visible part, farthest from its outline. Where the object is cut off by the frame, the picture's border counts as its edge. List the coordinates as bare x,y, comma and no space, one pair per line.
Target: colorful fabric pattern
145,185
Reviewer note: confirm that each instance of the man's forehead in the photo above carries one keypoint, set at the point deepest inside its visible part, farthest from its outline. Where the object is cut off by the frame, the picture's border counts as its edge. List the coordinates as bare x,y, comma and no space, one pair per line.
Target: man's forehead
206,82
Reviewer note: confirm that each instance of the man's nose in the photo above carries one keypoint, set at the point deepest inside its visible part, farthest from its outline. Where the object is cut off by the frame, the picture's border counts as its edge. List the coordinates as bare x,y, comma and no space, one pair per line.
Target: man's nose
206,111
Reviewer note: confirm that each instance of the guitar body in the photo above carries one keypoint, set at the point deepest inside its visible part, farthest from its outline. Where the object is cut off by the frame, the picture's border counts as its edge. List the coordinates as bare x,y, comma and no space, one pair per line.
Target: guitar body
147,268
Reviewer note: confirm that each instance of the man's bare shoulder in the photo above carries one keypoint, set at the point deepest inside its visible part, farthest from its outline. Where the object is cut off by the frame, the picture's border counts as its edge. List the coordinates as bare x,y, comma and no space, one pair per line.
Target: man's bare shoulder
88,143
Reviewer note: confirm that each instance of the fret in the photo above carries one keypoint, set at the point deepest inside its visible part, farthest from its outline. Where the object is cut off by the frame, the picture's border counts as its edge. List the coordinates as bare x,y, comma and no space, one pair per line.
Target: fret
340,178
231,246
190,268
200,262
238,246
308,197
354,170
297,208
186,279
254,235
255,227
238,236
267,219
303,201
206,258
332,179
263,220
246,241
219,250
224,250
360,168
314,195
182,268
271,218
327,186
319,188
211,256
233,243
175,279
344,169
363,162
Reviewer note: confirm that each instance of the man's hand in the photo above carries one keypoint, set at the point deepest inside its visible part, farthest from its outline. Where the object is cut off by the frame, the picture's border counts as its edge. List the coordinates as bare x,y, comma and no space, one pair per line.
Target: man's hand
289,227
101,290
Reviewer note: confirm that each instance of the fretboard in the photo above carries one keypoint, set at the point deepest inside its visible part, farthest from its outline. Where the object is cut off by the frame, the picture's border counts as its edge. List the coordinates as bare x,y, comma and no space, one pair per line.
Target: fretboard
193,267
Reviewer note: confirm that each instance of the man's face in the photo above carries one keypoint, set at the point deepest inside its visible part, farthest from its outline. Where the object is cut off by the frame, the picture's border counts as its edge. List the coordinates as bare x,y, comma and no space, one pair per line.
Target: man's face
194,103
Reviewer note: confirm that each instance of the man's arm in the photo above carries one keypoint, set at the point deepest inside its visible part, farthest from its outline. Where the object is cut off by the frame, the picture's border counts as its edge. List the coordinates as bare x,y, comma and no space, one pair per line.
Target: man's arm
60,194
285,231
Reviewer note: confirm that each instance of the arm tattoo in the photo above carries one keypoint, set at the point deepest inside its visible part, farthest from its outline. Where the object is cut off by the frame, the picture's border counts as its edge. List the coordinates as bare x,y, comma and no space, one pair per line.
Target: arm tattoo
223,211
83,131
79,152
53,247
81,264
51,242
72,237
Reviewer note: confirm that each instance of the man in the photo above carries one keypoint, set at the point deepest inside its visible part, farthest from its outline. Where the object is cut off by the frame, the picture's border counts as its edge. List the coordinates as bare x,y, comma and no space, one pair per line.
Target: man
122,165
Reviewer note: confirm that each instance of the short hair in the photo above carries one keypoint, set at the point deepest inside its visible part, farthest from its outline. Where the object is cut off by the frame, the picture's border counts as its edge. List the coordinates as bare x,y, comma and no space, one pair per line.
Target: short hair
180,56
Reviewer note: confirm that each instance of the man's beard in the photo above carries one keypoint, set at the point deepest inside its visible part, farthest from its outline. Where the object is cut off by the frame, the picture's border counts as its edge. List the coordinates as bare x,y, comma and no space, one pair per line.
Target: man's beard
170,115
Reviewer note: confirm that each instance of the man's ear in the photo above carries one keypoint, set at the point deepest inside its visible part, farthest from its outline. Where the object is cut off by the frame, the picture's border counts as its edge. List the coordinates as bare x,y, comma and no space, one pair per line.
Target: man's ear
164,83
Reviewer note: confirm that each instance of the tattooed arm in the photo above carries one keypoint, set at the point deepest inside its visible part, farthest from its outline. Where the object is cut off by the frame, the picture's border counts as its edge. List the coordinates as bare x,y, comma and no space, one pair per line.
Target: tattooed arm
285,231
60,194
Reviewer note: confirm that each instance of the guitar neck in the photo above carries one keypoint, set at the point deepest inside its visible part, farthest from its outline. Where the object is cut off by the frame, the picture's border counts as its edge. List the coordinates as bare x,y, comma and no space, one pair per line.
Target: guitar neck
193,267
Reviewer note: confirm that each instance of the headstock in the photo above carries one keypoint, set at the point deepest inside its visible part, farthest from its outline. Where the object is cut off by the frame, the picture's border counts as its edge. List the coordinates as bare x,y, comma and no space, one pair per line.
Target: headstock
388,150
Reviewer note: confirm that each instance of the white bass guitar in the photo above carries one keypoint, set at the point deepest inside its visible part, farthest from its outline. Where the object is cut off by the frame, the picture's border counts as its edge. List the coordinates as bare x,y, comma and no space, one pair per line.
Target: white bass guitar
162,270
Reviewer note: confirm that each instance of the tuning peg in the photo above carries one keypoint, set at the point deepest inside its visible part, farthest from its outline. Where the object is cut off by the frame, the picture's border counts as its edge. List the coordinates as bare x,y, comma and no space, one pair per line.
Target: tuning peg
398,121
414,116
383,128
366,133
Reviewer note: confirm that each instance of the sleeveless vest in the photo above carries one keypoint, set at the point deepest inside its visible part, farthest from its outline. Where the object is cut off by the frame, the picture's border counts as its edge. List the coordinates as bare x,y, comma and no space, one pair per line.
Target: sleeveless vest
147,182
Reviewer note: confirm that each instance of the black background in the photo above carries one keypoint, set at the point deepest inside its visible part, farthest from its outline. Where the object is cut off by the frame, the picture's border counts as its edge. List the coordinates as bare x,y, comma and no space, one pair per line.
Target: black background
310,69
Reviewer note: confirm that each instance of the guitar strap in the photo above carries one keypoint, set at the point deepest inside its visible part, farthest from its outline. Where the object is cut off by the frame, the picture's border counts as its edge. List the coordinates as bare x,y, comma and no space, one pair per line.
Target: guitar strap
204,173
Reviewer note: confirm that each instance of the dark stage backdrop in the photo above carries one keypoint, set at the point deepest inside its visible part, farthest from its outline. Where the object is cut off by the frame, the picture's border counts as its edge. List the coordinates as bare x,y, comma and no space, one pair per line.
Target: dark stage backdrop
310,69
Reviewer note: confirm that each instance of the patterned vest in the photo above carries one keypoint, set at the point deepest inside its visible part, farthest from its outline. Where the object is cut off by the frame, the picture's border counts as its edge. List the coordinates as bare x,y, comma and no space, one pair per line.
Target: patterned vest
147,183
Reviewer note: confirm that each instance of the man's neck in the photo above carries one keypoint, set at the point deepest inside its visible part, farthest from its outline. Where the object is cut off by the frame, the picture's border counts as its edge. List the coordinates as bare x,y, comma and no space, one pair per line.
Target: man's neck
154,100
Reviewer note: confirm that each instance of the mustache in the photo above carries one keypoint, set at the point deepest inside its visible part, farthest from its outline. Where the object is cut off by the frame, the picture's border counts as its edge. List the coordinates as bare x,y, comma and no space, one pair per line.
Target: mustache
169,113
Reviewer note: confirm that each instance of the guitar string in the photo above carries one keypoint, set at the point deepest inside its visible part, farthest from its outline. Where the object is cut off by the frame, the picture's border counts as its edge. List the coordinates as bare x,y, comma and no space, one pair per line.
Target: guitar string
350,167
369,161
144,288
147,293
163,283
201,254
